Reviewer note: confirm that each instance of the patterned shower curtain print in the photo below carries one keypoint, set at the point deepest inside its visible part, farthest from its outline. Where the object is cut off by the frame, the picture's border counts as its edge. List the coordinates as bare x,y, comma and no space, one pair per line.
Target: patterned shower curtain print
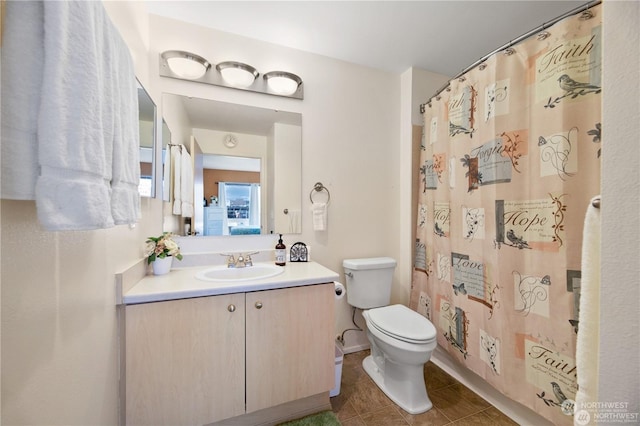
510,159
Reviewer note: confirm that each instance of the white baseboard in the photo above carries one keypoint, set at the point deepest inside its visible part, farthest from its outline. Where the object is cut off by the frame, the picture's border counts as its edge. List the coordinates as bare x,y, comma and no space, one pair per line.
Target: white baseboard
517,412
353,348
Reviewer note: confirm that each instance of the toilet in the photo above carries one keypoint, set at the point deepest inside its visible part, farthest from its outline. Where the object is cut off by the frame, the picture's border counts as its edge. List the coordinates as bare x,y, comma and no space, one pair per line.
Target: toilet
401,339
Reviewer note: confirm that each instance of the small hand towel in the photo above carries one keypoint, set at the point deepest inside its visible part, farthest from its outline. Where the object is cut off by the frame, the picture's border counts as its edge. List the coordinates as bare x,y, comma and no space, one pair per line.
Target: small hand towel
176,161
589,319
186,182
294,221
319,216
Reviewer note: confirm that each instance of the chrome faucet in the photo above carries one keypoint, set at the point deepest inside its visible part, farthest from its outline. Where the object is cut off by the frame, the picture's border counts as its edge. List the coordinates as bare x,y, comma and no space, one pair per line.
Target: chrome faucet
231,261
247,259
243,260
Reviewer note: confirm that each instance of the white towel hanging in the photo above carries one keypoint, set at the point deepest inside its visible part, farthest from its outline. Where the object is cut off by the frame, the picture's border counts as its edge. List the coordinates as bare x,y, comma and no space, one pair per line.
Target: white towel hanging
79,156
176,173
319,216
88,137
22,64
589,318
186,182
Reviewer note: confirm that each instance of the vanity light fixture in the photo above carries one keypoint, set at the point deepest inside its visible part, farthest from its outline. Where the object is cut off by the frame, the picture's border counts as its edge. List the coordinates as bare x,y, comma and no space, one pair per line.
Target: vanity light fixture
236,75
185,64
282,82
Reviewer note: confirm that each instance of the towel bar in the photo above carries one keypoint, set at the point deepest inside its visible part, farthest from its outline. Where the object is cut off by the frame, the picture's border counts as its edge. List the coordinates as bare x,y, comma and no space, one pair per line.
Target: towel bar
319,187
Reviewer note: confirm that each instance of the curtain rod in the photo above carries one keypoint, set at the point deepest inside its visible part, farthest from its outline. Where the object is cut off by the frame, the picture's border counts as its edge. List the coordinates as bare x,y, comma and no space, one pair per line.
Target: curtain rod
544,26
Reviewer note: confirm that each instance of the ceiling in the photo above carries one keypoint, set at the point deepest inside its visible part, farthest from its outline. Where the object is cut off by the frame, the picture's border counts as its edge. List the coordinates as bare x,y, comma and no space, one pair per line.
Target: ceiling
439,36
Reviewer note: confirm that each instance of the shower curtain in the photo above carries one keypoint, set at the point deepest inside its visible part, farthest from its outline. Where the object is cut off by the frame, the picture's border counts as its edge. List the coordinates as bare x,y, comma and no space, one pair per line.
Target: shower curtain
510,159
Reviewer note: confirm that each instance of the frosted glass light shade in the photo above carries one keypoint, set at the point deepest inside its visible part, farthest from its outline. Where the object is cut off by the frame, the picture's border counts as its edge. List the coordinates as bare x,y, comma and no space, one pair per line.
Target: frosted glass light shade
282,82
237,74
186,65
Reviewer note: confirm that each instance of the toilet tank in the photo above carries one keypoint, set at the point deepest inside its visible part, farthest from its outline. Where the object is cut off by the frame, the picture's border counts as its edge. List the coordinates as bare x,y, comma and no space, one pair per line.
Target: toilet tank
369,281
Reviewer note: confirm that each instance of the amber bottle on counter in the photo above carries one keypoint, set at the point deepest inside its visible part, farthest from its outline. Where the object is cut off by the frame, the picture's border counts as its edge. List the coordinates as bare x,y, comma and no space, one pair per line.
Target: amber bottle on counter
281,253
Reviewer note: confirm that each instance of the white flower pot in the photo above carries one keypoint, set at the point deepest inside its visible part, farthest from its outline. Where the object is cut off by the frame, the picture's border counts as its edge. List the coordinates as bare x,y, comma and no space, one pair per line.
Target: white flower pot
162,266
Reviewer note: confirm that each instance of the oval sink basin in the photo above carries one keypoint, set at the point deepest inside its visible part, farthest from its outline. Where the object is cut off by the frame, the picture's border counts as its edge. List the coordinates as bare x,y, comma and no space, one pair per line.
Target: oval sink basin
255,272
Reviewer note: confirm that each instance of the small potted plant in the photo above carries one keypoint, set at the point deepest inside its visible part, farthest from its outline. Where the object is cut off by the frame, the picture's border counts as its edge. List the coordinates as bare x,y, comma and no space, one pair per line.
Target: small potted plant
160,252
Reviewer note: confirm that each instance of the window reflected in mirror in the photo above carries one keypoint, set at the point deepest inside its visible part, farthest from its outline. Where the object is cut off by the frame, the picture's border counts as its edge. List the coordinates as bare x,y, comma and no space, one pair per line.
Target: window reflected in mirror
231,195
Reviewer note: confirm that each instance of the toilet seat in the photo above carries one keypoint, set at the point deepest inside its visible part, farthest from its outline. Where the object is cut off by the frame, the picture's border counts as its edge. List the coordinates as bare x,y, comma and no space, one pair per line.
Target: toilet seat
402,323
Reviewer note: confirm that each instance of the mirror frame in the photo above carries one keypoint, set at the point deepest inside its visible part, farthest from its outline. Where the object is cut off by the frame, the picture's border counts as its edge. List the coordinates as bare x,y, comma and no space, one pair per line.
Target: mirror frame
269,223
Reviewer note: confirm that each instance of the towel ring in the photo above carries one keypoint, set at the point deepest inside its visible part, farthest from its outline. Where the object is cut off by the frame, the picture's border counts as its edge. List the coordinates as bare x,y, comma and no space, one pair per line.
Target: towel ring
319,187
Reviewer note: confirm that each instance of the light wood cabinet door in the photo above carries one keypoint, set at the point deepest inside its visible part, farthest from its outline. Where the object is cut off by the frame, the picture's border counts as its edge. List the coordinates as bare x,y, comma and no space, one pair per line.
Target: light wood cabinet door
290,344
185,361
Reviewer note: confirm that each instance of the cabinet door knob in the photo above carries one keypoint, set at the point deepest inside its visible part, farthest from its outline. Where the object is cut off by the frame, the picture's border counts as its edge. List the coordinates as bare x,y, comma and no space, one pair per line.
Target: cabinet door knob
231,308
258,305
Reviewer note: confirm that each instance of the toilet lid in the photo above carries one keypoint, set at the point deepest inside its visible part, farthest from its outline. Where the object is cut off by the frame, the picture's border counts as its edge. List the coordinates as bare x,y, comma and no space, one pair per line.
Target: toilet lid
402,323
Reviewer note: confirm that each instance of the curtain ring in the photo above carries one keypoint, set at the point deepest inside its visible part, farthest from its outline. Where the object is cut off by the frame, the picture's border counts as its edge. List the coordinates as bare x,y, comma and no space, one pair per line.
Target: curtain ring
543,35
461,79
482,66
509,51
586,15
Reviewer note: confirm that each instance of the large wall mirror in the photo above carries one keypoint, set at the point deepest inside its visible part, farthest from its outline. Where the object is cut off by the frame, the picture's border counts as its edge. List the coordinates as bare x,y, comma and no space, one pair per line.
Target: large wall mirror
247,165
147,126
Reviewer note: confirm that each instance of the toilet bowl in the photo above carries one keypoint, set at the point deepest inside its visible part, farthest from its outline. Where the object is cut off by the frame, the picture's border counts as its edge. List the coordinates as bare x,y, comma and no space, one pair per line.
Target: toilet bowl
401,343
401,339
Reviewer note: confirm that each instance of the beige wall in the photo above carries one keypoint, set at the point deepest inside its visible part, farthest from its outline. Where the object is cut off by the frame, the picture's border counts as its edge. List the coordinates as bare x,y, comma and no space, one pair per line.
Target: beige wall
59,333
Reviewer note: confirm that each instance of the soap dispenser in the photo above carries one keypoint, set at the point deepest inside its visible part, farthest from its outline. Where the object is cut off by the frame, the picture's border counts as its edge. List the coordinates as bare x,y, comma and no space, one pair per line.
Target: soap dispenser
281,253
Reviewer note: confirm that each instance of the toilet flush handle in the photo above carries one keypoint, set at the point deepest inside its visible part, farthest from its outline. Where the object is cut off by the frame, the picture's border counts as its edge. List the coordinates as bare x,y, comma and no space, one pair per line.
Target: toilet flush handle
348,274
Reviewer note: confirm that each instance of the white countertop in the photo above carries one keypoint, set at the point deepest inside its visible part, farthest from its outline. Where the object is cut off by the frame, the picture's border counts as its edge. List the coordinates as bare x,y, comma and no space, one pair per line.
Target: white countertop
181,283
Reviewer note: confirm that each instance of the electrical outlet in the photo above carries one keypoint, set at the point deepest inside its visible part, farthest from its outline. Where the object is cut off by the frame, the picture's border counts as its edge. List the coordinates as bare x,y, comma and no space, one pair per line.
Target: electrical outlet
424,305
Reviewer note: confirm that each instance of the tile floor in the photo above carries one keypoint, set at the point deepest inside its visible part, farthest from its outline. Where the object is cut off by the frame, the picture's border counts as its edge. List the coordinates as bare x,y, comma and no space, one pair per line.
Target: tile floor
362,403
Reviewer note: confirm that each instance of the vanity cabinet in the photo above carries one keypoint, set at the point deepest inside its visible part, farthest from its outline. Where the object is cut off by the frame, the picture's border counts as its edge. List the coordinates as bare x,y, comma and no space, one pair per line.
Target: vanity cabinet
290,344
185,360
201,360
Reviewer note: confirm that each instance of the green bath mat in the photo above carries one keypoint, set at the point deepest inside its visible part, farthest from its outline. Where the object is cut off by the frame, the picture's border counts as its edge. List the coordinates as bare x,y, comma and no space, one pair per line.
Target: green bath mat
324,418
